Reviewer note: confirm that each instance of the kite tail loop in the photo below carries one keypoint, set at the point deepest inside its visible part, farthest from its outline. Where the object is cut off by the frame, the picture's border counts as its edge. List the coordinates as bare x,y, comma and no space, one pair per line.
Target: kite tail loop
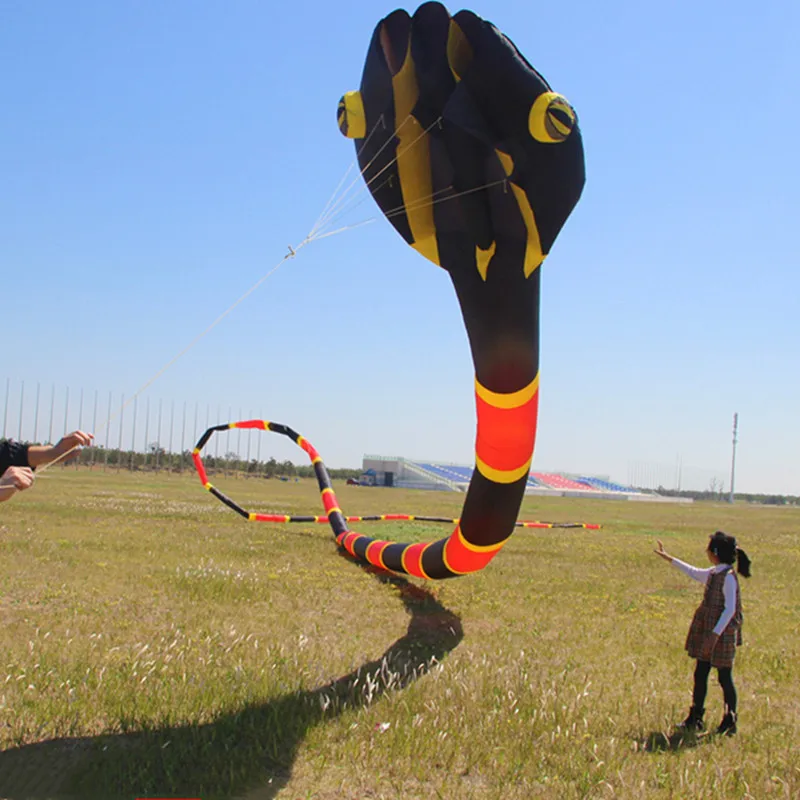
445,558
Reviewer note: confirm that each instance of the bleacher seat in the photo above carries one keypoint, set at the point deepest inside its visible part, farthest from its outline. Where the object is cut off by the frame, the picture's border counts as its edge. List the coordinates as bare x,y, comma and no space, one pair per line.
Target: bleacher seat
560,482
608,486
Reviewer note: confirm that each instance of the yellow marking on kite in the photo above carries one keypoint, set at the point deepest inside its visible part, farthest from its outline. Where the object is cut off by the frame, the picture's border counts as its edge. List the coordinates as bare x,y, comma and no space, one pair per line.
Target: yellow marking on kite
233,424
473,548
478,548
333,509
502,475
251,516
421,569
196,451
447,563
459,50
509,399
560,126
351,117
455,534
317,459
544,125
533,250
483,257
208,486
379,557
506,161
328,489
351,546
413,162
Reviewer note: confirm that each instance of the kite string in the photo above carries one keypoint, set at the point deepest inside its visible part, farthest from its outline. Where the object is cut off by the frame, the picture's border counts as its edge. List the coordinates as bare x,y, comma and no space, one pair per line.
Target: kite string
112,416
329,214
44,467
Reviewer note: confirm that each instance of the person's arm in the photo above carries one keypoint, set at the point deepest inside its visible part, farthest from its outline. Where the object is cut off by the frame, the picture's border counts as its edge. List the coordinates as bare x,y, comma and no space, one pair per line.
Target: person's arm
729,593
41,454
14,480
695,573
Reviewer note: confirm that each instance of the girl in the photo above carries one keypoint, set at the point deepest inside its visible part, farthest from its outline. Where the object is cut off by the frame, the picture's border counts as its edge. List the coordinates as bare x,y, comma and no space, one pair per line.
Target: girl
716,627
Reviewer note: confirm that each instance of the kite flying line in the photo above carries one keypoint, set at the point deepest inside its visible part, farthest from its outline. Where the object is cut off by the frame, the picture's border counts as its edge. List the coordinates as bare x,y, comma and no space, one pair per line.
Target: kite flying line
333,210
337,206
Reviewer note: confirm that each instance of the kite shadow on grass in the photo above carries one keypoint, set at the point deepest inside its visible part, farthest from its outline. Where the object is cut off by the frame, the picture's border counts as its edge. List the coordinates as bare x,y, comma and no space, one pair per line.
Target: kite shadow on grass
249,751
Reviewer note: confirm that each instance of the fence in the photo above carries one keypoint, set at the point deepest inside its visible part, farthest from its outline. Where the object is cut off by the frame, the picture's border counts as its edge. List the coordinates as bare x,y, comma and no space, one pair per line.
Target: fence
676,477
139,434
150,434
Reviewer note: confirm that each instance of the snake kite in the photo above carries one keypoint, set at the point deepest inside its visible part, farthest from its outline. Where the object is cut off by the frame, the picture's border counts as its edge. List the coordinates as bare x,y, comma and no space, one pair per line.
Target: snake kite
478,169
477,163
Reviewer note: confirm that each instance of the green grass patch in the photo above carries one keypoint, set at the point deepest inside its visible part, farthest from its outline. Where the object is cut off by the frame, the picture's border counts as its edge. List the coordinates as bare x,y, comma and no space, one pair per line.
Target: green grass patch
153,643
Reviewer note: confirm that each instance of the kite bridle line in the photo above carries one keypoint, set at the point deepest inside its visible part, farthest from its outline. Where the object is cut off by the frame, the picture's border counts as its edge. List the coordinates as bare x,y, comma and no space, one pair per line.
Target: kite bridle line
333,213
333,201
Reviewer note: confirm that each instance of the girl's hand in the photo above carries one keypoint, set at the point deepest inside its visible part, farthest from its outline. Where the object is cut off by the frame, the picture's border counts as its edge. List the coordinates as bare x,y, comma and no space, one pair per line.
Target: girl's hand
662,552
708,646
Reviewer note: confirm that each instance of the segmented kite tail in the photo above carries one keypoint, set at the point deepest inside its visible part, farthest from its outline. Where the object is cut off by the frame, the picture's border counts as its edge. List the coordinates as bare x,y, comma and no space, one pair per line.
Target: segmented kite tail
447,557
323,519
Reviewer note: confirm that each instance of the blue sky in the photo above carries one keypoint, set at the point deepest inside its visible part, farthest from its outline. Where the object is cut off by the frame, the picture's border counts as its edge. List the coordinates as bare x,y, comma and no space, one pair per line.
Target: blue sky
156,160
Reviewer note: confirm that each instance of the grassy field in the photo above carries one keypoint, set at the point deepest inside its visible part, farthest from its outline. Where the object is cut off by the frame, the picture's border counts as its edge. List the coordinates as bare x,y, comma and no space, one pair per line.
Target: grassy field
154,644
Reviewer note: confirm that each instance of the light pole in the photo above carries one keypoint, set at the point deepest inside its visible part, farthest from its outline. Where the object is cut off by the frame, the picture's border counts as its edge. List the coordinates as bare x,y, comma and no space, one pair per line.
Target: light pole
733,456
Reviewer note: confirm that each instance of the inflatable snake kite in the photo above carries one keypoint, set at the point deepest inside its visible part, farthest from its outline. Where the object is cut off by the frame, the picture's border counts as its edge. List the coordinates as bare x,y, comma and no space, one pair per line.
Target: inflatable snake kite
477,163
483,165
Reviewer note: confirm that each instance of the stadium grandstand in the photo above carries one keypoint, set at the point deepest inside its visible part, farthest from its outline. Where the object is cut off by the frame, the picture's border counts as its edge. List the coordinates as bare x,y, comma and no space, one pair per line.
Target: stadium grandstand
415,474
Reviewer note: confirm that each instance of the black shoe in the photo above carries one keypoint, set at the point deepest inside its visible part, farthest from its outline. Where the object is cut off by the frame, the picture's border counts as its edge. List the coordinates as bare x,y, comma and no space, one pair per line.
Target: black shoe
728,725
694,722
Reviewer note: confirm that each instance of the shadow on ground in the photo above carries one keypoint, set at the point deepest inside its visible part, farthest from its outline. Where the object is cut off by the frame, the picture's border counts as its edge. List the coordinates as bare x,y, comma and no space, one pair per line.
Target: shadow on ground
660,742
250,750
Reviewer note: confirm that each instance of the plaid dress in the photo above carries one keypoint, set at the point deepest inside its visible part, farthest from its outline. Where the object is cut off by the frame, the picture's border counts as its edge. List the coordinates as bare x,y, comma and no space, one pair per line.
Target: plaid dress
706,617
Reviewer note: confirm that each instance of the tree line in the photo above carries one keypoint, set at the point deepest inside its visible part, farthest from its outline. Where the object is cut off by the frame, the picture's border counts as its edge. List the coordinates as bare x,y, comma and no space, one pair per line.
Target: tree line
718,495
157,459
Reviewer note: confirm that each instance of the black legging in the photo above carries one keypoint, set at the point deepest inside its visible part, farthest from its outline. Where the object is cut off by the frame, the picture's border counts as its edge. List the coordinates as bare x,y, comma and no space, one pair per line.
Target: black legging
701,672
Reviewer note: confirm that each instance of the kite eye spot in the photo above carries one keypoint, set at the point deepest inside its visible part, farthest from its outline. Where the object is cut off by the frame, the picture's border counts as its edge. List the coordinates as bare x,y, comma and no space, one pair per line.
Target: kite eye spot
350,116
551,118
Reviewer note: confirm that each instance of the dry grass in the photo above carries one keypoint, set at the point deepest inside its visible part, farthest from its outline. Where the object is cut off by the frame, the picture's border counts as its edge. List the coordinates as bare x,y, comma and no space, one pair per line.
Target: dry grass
152,643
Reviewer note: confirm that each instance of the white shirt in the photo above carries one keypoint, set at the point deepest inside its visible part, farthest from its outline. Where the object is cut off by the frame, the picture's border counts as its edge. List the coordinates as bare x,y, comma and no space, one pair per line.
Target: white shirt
729,589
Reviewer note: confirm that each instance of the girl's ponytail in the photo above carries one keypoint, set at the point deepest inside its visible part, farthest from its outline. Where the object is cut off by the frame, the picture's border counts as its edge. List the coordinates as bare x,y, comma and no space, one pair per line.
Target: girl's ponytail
742,563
